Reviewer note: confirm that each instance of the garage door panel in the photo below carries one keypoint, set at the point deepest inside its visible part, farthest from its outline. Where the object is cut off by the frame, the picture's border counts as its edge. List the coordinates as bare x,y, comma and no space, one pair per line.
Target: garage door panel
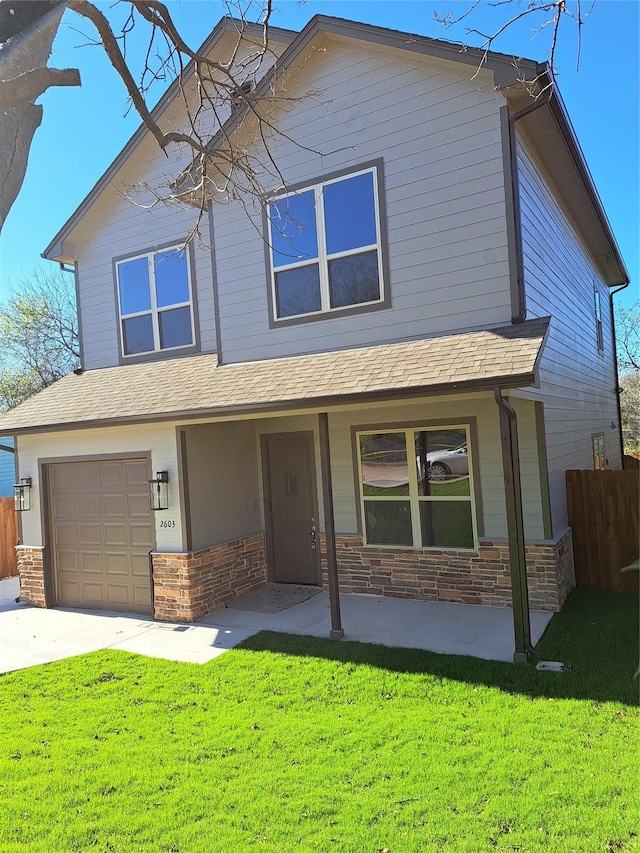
103,531
66,534
119,594
138,506
112,474
114,506
115,534
68,561
62,477
87,476
142,598
140,565
70,591
64,506
89,506
117,563
137,475
139,536
93,594
89,534
90,563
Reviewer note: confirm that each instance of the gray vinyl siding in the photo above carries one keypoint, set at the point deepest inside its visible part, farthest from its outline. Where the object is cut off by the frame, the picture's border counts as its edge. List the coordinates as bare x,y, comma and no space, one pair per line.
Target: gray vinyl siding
439,137
490,486
223,482
125,228
577,382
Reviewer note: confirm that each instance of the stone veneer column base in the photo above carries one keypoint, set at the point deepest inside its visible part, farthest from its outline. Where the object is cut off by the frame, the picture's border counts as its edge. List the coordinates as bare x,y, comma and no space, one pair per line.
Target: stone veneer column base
189,586
31,571
478,577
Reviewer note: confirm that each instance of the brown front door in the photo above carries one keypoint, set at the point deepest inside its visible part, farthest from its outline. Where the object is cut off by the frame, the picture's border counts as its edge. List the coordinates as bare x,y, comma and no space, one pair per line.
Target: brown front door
291,511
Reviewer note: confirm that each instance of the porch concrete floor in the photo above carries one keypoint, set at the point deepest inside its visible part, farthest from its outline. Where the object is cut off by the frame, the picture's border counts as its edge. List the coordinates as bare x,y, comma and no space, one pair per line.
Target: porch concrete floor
31,635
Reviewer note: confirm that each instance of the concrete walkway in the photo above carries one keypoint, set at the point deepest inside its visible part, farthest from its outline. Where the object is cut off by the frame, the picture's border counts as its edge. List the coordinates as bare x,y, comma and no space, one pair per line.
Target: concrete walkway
30,635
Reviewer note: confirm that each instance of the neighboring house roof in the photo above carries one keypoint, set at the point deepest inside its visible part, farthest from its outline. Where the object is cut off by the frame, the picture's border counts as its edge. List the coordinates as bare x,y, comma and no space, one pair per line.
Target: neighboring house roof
196,387
548,127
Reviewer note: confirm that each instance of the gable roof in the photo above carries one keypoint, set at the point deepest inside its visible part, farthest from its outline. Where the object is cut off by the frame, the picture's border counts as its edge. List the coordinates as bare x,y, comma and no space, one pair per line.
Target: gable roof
548,126
197,387
54,250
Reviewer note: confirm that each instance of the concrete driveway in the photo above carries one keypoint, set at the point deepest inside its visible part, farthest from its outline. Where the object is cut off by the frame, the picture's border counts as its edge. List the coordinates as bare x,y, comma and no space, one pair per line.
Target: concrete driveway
31,635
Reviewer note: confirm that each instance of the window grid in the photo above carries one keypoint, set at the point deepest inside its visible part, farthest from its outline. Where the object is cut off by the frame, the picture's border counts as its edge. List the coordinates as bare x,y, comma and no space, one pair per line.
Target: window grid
154,311
323,257
414,498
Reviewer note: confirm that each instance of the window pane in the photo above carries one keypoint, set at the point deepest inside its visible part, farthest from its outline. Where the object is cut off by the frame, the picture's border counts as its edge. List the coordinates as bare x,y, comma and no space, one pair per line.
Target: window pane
133,283
293,229
443,455
388,522
383,459
298,291
354,279
446,524
175,328
349,213
172,282
138,334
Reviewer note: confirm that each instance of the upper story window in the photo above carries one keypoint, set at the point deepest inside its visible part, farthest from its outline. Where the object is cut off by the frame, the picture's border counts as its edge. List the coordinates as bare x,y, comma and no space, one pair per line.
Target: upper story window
325,247
598,311
155,302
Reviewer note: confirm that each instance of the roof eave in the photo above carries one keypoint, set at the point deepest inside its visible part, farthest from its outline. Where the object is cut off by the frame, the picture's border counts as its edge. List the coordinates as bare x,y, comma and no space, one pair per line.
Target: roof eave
580,195
520,380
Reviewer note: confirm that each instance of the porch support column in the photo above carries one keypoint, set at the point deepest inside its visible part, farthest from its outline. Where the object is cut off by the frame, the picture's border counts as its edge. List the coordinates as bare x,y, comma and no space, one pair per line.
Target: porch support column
515,526
337,632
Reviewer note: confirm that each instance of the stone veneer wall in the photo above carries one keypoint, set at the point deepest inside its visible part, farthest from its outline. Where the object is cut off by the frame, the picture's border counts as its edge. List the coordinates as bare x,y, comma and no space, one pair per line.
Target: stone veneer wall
481,577
31,571
188,586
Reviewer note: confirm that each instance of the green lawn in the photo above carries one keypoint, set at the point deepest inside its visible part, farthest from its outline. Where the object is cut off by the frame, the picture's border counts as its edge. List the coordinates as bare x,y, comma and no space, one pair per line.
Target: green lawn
292,743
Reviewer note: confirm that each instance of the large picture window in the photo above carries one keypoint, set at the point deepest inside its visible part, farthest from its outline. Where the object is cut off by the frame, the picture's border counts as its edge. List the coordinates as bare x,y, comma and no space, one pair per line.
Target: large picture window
325,247
155,303
415,488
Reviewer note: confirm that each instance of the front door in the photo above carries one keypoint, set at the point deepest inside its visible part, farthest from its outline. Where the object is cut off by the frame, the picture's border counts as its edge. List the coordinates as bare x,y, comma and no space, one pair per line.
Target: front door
291,511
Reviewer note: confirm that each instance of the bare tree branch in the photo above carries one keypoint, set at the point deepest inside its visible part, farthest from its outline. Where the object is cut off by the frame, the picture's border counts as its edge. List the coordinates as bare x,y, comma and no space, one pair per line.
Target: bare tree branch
31,84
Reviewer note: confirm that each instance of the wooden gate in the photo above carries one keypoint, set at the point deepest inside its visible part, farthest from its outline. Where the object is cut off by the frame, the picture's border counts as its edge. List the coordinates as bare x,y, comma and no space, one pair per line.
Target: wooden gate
603,514
8,538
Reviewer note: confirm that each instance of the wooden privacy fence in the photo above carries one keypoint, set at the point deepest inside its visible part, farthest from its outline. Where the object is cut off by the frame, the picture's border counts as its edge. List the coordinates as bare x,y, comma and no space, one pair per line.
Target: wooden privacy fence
603,515
8,538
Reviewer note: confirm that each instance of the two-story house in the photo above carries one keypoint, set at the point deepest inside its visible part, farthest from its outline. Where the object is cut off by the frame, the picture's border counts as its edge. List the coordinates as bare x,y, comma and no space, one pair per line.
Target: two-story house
375,381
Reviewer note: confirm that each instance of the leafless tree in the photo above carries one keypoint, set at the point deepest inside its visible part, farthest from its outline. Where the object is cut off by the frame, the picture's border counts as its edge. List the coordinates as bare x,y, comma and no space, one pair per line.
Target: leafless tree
213,89
38,335
545,18
628,336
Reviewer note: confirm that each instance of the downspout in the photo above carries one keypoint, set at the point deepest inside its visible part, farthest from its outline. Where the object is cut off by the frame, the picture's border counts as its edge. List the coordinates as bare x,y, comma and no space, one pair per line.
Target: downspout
515,529
612,293
521,314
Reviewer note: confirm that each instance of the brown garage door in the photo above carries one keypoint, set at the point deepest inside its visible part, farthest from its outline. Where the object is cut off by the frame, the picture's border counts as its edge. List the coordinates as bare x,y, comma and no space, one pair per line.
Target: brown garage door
102,534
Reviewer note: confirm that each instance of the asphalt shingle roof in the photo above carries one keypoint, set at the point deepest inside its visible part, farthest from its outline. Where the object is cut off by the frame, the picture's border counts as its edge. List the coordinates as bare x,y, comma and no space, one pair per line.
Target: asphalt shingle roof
197,386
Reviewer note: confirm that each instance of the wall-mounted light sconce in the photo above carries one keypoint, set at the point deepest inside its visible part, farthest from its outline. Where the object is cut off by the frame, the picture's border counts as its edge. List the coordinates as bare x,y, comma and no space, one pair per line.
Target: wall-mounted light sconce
22,494
159,491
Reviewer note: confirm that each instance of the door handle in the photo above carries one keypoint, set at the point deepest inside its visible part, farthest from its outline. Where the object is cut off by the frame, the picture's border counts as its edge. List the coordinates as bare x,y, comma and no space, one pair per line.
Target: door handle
313,538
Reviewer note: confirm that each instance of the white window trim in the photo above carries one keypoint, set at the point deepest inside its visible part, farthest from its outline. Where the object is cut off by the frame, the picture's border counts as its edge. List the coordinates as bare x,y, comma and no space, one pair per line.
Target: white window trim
154,310
324,257
413,497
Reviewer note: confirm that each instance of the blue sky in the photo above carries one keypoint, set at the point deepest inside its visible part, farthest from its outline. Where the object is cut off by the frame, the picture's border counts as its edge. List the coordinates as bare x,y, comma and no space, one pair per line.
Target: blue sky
84,129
